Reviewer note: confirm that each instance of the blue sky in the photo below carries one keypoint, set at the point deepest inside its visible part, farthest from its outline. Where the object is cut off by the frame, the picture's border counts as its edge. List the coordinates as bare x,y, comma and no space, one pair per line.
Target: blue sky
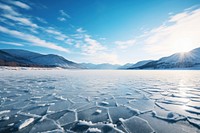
101,31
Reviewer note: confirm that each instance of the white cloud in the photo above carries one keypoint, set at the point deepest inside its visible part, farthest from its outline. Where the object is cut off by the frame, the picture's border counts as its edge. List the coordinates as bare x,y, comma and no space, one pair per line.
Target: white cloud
77,45
52,31
177,17
19,4
11,43
63,13
61,19
22,20
10,16
59,36
5,21
8,9
63,16
92,46
32,39
80,30
69,41
78,36
180,33
41,20
125,44
13,18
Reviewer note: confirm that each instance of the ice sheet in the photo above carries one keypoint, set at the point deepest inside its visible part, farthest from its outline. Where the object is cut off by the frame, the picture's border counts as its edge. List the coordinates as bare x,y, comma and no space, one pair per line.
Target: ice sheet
99,101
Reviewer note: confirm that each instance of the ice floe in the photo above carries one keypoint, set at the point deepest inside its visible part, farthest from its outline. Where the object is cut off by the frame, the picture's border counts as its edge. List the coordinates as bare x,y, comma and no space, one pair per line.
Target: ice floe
25,123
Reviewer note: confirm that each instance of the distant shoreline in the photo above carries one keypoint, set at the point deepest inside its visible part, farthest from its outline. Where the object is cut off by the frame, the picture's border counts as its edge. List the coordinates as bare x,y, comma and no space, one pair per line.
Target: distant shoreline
29,68
60,68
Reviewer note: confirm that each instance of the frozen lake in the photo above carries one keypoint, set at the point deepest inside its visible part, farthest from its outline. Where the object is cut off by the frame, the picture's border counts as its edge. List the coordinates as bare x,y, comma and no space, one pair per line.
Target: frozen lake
94,101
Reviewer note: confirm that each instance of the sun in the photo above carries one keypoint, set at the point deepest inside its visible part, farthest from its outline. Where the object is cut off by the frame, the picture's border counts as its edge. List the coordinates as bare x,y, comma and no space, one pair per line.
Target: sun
182,45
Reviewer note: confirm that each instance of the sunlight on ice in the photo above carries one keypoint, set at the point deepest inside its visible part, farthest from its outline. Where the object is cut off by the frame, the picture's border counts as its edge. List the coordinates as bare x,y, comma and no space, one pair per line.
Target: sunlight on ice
87,101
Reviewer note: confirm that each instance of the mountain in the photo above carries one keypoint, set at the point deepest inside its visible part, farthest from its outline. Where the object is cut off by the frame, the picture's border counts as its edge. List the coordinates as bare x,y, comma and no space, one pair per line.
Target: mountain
7,59
187,60
17,57
126,66
138,64
99,66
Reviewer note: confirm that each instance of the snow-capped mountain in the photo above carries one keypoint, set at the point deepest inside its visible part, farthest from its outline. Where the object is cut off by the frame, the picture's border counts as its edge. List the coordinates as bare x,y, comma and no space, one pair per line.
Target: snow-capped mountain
21,53
138,64
126,66
17,57
187,60
99,66
54,60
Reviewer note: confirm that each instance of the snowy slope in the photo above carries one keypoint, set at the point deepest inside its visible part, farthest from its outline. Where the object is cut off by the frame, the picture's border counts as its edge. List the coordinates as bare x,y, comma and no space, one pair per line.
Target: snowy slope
127,65
7,59
21,53
54,60
176,61
19,57
138,64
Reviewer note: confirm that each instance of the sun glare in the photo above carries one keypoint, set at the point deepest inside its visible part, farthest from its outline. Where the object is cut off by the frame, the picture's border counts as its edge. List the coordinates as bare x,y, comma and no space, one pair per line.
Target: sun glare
183,45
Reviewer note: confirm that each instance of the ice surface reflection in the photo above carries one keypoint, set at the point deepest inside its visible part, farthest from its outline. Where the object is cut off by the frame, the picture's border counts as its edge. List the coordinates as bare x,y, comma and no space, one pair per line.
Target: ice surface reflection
99,101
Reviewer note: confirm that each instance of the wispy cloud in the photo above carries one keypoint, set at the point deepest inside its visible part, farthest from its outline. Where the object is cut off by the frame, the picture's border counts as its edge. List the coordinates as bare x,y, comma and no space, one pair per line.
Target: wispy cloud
58,35
41,20
61,19
181,32
69,41
5,21
92,46
10,13
12,16
82,41
125,44
79,40
63,16
80,30
8,9
11,43
32,39
19,4
22,20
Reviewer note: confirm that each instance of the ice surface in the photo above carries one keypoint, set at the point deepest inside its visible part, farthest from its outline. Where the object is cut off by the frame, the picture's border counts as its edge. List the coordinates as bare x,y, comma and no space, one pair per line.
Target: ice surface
69,117
142,104
162,126
91,115
137,125
121,112
45,125
86,101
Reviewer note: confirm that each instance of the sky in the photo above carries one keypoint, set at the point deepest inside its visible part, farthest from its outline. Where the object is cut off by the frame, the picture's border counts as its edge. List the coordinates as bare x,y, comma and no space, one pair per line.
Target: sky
101,31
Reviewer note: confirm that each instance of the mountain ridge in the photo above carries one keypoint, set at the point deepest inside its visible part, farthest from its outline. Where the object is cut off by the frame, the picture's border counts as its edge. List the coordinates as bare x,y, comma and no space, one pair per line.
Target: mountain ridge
26,58
183,60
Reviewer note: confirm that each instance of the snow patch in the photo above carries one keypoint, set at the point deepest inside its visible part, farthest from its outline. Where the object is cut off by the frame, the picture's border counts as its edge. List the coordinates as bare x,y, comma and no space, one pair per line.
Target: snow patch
93,130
